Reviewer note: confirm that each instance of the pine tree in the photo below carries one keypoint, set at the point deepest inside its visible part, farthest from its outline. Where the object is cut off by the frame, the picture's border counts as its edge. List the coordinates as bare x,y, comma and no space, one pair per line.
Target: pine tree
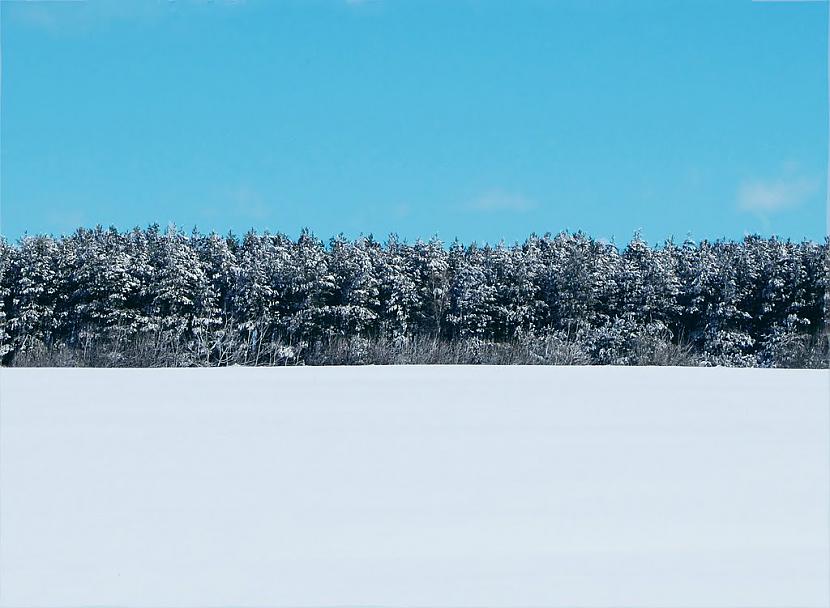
162,298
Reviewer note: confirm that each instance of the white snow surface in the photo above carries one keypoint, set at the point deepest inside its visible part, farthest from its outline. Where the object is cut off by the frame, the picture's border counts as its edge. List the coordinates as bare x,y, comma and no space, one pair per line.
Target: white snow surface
415,486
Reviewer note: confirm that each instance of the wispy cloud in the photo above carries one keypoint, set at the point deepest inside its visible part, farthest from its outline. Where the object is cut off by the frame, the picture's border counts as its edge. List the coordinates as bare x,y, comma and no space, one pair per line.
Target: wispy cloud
770,195
249,203
80,16
403,210
499,200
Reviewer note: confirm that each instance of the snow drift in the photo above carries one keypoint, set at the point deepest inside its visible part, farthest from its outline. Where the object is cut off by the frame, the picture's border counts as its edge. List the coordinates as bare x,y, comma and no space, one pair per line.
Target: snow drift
414,486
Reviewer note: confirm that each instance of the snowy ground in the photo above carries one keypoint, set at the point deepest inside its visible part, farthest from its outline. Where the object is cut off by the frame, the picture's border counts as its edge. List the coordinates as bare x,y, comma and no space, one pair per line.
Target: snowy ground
414,486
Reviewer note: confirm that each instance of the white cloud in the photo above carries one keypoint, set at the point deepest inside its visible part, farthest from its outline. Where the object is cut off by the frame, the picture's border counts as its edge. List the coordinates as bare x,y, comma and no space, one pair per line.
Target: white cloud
250,203
403,210
81,16
498,200
765,196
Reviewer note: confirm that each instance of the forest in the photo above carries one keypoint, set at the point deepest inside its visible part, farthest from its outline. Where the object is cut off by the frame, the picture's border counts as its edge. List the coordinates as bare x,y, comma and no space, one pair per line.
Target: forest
162,297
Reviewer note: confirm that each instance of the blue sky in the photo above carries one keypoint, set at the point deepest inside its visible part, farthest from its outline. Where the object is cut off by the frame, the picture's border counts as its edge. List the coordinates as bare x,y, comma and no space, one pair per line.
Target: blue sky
482,120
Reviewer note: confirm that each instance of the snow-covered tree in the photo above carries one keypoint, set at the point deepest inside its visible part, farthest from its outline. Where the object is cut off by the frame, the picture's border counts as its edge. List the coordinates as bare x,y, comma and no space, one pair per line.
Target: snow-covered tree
166,298
6,277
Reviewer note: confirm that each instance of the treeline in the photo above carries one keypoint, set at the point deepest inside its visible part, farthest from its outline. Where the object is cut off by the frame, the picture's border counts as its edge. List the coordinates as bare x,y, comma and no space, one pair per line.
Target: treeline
164,298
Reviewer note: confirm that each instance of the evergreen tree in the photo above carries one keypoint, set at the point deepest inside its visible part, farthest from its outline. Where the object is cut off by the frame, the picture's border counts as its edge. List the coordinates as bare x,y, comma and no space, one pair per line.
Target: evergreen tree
163,298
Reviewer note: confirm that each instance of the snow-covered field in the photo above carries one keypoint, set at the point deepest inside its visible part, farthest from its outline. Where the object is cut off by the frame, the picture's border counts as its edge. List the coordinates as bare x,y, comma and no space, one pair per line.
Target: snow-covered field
414,486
